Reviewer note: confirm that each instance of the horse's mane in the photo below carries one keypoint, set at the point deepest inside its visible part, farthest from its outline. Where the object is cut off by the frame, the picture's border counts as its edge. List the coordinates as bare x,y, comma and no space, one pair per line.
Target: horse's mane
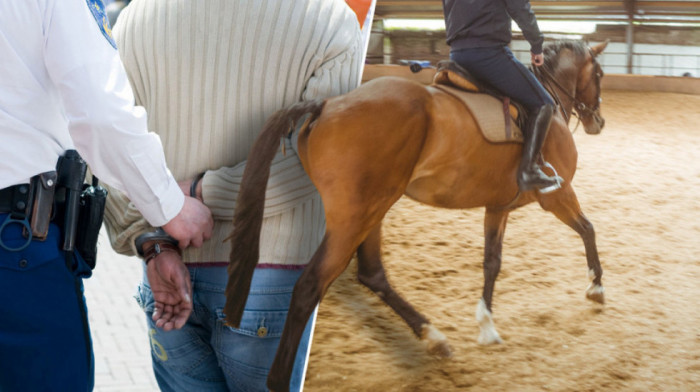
552,50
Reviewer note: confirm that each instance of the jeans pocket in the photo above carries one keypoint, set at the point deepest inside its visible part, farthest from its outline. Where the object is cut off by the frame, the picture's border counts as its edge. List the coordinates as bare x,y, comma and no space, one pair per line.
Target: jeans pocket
257,323
180,355
247,352
182,351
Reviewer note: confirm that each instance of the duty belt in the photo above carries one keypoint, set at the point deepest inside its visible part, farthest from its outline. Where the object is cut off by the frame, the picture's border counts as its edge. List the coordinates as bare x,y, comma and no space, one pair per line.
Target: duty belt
14,198
15,201
30,206
60,197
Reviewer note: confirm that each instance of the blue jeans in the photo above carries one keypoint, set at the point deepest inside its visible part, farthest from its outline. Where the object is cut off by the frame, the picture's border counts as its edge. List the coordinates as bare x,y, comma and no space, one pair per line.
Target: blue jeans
206,355
45,342
497,66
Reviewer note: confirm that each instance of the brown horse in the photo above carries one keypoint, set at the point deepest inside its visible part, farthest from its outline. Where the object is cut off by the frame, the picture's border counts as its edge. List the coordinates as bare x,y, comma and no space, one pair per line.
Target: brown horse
391,137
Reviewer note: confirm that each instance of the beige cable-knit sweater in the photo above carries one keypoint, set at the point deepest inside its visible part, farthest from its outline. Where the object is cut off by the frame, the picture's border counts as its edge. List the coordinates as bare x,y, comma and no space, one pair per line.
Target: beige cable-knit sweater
209,73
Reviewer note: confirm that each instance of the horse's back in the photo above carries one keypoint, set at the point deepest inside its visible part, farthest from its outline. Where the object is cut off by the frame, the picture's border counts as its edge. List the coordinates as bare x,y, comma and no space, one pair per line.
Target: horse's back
387,95
385,111
365,144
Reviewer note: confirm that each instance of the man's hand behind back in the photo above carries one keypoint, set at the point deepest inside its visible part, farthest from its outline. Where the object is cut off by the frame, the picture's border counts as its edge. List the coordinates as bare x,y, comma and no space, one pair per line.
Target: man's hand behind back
172,290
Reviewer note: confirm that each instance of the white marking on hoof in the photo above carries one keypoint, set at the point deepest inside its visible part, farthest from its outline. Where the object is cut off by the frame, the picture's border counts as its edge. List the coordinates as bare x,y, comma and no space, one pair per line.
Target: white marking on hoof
596,293
591,274
488,334
437,342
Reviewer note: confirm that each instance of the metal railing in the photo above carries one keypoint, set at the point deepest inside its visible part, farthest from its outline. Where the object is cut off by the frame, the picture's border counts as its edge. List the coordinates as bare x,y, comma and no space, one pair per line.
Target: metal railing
643,63
670,64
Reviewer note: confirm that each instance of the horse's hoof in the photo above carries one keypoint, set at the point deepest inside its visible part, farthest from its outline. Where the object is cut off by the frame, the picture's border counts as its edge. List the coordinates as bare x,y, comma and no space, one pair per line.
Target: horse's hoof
488,334
437,342
596,293
440,349
487,337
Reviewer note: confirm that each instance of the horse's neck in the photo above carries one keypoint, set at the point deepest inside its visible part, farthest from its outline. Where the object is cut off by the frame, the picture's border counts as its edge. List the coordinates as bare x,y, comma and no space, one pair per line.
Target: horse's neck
565,87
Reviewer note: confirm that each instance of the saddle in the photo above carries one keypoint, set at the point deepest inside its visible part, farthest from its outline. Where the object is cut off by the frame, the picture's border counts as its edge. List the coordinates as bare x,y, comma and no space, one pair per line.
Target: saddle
498,117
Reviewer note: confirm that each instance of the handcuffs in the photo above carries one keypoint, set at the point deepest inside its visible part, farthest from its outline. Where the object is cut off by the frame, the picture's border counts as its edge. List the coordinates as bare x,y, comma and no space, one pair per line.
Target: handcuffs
160,242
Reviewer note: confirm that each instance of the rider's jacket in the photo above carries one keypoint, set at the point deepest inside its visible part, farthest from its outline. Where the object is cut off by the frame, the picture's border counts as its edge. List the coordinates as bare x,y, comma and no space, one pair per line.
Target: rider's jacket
484,23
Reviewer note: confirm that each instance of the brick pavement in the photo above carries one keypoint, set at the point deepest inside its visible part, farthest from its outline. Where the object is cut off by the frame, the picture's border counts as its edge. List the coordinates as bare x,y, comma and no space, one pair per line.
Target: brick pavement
122,352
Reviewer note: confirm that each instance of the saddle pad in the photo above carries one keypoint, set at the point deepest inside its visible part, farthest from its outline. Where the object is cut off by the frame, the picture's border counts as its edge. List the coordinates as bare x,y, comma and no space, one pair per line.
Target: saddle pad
488,112
451,74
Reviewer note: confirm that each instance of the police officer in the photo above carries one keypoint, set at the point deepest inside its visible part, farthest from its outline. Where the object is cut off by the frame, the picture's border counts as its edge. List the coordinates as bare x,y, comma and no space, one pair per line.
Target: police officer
62,86
478,32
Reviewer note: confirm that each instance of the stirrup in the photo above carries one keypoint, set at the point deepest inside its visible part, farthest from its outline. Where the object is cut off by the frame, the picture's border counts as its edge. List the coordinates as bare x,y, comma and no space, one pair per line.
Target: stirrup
558,180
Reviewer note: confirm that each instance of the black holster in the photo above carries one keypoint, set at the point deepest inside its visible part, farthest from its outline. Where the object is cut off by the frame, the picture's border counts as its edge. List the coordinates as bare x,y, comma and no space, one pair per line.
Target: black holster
92,210
80,207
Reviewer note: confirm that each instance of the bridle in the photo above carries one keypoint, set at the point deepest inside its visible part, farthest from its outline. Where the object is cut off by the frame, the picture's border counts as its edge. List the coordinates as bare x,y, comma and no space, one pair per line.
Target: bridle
582,110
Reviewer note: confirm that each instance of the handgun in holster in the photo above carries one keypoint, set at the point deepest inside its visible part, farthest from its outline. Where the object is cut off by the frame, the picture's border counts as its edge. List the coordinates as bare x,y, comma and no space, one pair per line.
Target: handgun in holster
81,207
92,208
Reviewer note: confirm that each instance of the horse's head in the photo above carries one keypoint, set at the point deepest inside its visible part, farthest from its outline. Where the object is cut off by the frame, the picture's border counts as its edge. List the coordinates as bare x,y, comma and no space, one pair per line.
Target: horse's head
587,95
572,68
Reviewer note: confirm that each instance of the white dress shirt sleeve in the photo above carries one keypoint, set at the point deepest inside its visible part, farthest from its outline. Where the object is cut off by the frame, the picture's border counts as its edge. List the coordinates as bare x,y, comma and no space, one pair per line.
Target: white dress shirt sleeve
108,130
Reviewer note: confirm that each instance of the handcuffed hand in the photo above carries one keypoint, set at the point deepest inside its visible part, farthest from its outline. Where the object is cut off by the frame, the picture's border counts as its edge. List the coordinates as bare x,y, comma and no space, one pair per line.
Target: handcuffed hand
193,225
172,290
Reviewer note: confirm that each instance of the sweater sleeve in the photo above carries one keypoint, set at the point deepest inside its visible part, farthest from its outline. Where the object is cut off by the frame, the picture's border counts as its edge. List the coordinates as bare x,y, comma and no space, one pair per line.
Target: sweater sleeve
523,15
123,222
287,187
338,72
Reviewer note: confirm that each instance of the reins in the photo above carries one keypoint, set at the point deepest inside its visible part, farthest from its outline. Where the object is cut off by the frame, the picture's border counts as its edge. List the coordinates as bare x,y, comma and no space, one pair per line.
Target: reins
547,78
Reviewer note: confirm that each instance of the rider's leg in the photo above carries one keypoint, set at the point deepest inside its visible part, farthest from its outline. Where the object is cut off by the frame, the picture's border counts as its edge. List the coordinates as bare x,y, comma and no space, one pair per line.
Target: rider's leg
530,175
498,67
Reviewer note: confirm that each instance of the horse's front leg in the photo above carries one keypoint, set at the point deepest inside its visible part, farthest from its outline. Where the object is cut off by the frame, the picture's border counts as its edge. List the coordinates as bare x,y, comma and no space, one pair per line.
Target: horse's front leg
564,205
370,272
494,228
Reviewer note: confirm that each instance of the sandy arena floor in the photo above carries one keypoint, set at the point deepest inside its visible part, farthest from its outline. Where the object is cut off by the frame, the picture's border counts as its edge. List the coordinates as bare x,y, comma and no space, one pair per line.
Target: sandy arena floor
639,183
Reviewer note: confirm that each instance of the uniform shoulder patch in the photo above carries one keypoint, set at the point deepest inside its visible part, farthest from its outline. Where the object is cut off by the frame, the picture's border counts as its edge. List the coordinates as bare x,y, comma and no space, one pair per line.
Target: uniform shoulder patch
98,12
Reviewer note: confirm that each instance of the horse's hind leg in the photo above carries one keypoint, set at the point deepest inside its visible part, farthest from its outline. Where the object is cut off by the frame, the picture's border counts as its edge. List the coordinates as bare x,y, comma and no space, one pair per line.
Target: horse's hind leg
494,228
370,272
564,205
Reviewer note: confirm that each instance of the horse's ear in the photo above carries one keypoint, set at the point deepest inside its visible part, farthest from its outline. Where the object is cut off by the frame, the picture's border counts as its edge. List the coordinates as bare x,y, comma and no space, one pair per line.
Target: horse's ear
598,49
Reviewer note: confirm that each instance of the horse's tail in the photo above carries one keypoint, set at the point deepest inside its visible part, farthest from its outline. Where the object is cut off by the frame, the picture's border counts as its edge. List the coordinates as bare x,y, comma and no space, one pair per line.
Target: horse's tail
250,203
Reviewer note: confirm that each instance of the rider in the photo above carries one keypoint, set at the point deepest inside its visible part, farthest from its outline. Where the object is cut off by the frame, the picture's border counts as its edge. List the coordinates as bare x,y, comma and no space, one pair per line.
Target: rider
478,32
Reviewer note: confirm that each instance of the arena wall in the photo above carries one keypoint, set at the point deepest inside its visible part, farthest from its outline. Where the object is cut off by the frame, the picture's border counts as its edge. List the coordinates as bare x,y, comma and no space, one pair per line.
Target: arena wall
685,85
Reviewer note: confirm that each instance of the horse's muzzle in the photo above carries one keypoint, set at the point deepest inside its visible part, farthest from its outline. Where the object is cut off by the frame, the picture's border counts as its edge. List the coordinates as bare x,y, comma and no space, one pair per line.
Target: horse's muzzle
595,124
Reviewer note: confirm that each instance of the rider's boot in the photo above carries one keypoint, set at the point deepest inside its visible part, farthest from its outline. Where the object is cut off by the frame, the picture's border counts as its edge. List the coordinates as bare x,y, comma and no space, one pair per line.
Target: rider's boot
530,175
